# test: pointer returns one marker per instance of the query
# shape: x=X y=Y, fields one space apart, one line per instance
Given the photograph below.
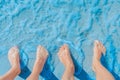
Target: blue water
x=51 y=23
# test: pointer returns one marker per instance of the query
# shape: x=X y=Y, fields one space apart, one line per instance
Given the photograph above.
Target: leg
x=13 y=56
x=41 y=57
x=101 y=72
x=65 y=58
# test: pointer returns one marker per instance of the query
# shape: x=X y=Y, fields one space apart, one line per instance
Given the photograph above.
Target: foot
x=41 y=54
x=41 y=57
x=13 y=56
x=98 y=50
x=65 y=58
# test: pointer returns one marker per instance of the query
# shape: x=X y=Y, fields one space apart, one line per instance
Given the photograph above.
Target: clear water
x=51 y=23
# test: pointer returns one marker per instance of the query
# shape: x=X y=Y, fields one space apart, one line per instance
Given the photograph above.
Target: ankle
x=70 y=68
x=97 y=57
x=96 y=63
x=16 y=69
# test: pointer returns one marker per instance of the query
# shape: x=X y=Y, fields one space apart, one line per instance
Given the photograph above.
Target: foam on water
x=51 y=23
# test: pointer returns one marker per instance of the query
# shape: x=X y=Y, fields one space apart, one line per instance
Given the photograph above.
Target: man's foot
x=13 y=56
x=98 y=50
x=65 y=58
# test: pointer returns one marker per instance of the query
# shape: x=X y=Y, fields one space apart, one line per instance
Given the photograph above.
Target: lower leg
x=36 y=71
x=68 y=73
x=11 y=74
x=101 y=72
x=41 y=57
x=65 y=58
x=14 y=61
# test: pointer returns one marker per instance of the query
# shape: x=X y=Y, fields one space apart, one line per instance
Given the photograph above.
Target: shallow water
x=51 y=23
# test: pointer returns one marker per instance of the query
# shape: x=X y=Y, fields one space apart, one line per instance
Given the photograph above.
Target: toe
x=14 y=50
x=63 y=49
x=96 y=43
x=99 y=46
x=39 y=48
x=65 y=46
x=60 y=50
x=103 y=50
x=42 y=50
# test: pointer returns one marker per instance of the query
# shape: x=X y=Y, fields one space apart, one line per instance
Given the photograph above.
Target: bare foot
x=41 y=57
x=13 y=56
x=98 y=50
x=64 y=56
x=41 y=54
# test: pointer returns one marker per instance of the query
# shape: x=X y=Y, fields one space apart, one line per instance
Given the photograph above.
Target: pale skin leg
x=13 y=56
x=101 y=72
x=65 y=58
x=41 y=57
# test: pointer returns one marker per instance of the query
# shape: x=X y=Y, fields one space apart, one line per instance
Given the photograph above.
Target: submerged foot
x=98 y=50
x=41 y=57
x=65 y=58
x=13 y=56
x=41 y=54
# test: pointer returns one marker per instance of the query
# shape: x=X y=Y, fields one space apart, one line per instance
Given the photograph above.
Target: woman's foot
x=98 y=50
x=41 y=54
x=41 y=57
x=65 y=58
x=13 y=56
